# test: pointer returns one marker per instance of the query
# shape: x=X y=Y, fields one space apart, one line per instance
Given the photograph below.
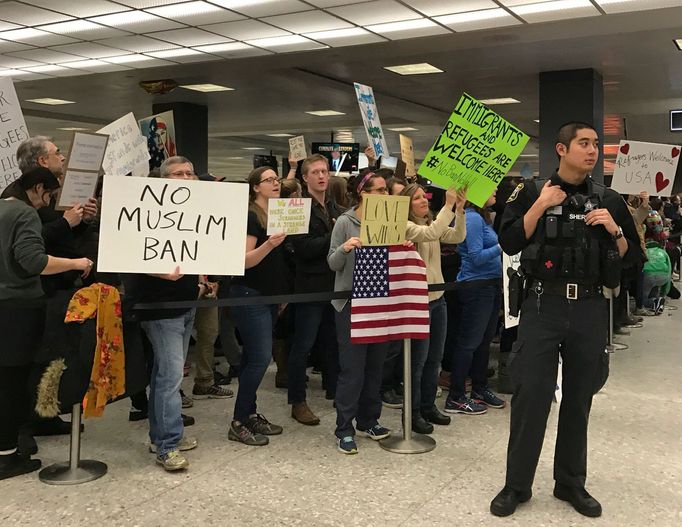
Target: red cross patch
x=549 y=264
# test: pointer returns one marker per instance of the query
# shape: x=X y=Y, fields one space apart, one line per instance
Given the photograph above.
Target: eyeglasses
x=180 y=173
x=271 y=180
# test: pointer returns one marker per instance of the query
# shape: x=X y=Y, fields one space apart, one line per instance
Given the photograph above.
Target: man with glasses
x=313 y=321
x=168 y=331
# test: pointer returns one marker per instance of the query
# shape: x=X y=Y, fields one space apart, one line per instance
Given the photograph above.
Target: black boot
x=432 y=415
x=27 y=445
x=15 y=465
x=505 y=503
x=579 y=498
x=51 y=426
x=420 y=426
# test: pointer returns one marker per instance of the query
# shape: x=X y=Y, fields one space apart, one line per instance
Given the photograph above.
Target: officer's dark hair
x=567 y=132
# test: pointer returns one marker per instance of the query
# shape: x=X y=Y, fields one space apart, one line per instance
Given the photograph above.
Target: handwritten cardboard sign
x=289 y=215
x=476 y=149
x=83 y=166
x=297 y=148
x=407 y=155
x=384 y=219
x=370 y=116
x=127 y=148
x=152 y=225
x=509 y=262
x=645 y=166
x=13 y=131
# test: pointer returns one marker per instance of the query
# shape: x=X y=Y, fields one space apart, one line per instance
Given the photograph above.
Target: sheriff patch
x=515 y=194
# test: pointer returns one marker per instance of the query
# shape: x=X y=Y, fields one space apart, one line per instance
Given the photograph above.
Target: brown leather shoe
x=303 y=414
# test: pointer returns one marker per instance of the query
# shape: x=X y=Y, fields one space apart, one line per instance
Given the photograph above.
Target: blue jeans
x=255 y=324
x=170 y=339
x=312 y=322
x=479 y=317
x=358 y=393
x=426 y=358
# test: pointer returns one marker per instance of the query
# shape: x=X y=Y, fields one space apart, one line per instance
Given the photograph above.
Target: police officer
x=574 y=235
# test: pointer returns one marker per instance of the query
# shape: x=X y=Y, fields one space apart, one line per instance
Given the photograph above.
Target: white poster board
x=297 y=148
x=645 y=166
x=13 y=131
x=127 y=148
x=289 y=215
x=152 y=225
x=370 y=116
x=508 y=262
x=87 y=151
x=77 y=189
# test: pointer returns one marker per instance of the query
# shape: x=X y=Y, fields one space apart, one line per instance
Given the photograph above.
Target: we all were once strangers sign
x=152 y=225
x=645 y=166
x=12 y=132
x=476 y=149
x=289 y=215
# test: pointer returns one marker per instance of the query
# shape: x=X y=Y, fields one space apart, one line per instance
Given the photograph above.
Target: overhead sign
x=13 y=131
x=370 y=116
x=127 y=149
x=384 y=219
x=645 y=166
x=407 y=155
x=475 y=150
x=297 y=148
x=152 y=225
x=288 y=215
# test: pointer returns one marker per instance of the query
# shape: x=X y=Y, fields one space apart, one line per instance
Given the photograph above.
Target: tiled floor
x=635 y=465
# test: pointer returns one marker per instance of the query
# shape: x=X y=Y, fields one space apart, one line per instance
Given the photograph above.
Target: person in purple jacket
x=479 y=295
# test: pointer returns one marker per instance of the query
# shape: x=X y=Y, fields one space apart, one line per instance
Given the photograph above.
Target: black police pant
x=578 y=330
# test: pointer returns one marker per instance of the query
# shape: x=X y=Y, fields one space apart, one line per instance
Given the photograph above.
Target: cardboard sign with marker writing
x=82 y=169
x=476 y=149
x=297 y=148
x=12 y=132
x=289 y=215
x=645 y=166
x=370 y=117
x=384 y=219
x=407 y=155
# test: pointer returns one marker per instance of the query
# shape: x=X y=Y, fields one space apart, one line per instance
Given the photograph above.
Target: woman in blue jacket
x=479 y=295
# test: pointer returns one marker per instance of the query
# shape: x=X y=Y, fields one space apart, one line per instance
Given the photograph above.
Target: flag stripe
x=389 y=308
x=377 y=323
x=392 y=330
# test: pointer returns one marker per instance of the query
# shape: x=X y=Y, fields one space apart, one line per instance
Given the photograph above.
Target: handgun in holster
x=516 y=289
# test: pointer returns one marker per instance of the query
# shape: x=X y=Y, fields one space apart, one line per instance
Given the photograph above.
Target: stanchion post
x=409 y=443
x=76 y=470
x=612 y=345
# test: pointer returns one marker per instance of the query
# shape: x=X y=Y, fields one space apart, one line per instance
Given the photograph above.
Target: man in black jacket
x=313 y=319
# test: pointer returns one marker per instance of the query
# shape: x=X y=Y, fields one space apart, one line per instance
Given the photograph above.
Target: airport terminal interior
x=265 y=71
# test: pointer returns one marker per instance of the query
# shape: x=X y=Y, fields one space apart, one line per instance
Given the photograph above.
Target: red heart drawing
x=676 y=151
x=661 y=181
x=625 y=148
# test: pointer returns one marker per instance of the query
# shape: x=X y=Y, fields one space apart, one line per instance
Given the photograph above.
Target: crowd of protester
x=47 y=254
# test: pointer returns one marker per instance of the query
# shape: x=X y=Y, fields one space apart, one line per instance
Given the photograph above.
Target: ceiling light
x=75 y=26
x=206 y=88
x=325 y=113
x=337 y=33
x=278 y=41
x=402 y=26
x=22 y=35
x=184 y=10
x=217 y=48
x=12 y=73
x=50 y=101
x=536 y=120
x=678 y=43
x=170 y=53
x=253 y=148
x=74 y=129
x=47 y=68
x=414 y=69
x=545 y=7
x=280 y=135
x=403 y=129
x=501 y=100
x=473 y=16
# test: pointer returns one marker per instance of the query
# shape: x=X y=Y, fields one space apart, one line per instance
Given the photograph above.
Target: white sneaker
x=186 y=443
x=173 y=460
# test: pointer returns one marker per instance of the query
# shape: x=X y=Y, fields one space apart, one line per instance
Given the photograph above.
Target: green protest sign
x=476 y=149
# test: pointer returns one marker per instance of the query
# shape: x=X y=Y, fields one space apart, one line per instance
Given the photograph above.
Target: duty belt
x=569 y=290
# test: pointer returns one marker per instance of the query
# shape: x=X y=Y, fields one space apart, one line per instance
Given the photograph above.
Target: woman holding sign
x=358 y=389
x=427 y=234
x=22 y=316
x=267 y=273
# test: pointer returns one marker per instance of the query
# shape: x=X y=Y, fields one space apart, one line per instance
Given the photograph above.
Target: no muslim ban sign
x=152 y=225
x=645 y=166
x=476 y=149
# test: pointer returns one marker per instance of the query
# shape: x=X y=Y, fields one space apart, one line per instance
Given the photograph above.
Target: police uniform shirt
x=512 y=235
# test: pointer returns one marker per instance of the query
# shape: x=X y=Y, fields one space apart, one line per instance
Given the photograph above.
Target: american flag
x=390 y=299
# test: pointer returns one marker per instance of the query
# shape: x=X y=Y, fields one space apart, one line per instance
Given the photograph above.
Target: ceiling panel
x=233 y=50
x=95 y=66
x=552 y=10
x=81 y=8
x=45 y=55
x=622 y=6
x=6 y=46
x=286 y=44
x=4 y=26
x=189 y=37
x=196 y=13
x=488 y=18
x=136 y=21
x=377 y=12
x=311 y=22
x=28 y=15
x=15 y=62
x=182 y=55
x=447 y=7
x=246 y=30
x=89 y=50
x=35 y=37
x=82 y=29
x=141 y=4
x=345 y=37
x=263 y=7
x=422 y=27
x=137 y=43
x=333 y=3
